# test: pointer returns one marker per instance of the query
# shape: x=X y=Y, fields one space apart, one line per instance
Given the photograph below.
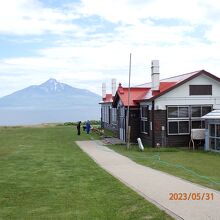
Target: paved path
x=154 y=185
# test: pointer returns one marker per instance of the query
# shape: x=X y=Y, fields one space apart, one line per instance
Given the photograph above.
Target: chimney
x=120 y=89
x=155 y=75
x=103 y=90
x=113 y=87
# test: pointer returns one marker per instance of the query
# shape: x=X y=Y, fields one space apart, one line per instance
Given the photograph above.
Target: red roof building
x=163 y=112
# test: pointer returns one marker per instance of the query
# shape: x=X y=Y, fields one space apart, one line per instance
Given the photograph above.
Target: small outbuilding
x=212 y=133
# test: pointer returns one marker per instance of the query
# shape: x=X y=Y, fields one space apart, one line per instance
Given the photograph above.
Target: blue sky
x=84 y=43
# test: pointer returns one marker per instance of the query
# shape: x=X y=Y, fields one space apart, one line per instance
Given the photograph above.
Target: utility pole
x=128 y=109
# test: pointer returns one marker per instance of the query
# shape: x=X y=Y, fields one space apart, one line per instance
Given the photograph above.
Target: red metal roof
x=163 y=87
x=108 y=98
x=135 y=94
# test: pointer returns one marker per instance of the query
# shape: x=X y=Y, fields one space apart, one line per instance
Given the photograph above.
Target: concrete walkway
x=154 y=185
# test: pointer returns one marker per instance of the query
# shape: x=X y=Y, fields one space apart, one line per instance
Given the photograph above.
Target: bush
x=92 y=122
x=70 y=123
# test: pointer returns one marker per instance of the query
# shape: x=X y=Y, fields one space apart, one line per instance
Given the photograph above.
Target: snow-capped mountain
x=50 y=95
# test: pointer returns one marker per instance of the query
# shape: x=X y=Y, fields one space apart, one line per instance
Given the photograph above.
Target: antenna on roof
x=128 y=110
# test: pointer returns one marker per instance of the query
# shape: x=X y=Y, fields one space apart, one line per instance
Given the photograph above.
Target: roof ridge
x=183 y=74
x=174 y=76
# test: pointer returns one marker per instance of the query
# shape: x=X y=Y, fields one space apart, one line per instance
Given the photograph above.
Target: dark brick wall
x=178 y=140
x=135 y=124
x=159 y=121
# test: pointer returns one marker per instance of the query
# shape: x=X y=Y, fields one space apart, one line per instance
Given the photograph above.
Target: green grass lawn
x=196 y=166
x=44 y=175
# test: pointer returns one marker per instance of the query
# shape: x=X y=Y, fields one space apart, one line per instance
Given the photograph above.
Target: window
x=196 y=113
x=172 y=112
x=217 y=130
x=105 y=114
x=212 y=130
x=199 y=111
x=173 y=127
x=114 y=115
x=214 y=136
x=206 y=110
x=121 y=112
x=121 y=122
x=144 y=126
x=197 y=124
x=180 y=119
x=200 y=90
x=144 y=119
x=183 y=127
x=178 y=127
x=144 y=111
x=178 y=112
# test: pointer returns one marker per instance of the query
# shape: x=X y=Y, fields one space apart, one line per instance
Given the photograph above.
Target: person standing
x=88 y=127
x=78 y=127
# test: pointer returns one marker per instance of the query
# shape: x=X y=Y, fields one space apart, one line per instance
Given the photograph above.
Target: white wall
x=180 y=95
x=105 y=111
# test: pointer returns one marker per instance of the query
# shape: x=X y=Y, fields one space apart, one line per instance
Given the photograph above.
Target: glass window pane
x=200 y=89
x=196 y=124
x=217 y=130
x=212 y=130
x=144 y=112
x=183 y=112
x=203 y=124
x=206 y=110
x=217 y=144
x=172 y=112
x=212 y=143
x=146 y=126
x=183 y=127
x=173 y=127
x=196 y=111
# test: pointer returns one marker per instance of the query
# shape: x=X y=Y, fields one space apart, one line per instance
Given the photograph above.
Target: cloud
x=130 y=12
x=29 y=17
x=94 y=39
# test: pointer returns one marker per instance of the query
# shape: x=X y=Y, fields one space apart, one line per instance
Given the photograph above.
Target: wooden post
x=128 y=128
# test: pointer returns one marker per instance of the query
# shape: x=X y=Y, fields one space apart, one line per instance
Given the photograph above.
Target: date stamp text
x=191 y=196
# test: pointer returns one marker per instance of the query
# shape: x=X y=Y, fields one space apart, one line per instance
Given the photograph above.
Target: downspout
x=153 y=131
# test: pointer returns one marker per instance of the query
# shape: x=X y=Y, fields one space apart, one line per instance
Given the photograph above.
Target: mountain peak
x=51 y=80
x=52 y=85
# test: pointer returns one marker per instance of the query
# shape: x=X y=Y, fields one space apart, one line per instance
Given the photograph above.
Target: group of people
x=87 y=127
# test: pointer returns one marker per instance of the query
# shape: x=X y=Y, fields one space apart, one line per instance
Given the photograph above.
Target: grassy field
x=44 y=175
x=196 y=166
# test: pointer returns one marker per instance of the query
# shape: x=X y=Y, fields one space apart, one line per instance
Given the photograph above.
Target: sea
x=14 y=117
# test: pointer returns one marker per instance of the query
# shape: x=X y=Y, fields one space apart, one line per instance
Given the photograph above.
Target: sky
x=86 y=42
